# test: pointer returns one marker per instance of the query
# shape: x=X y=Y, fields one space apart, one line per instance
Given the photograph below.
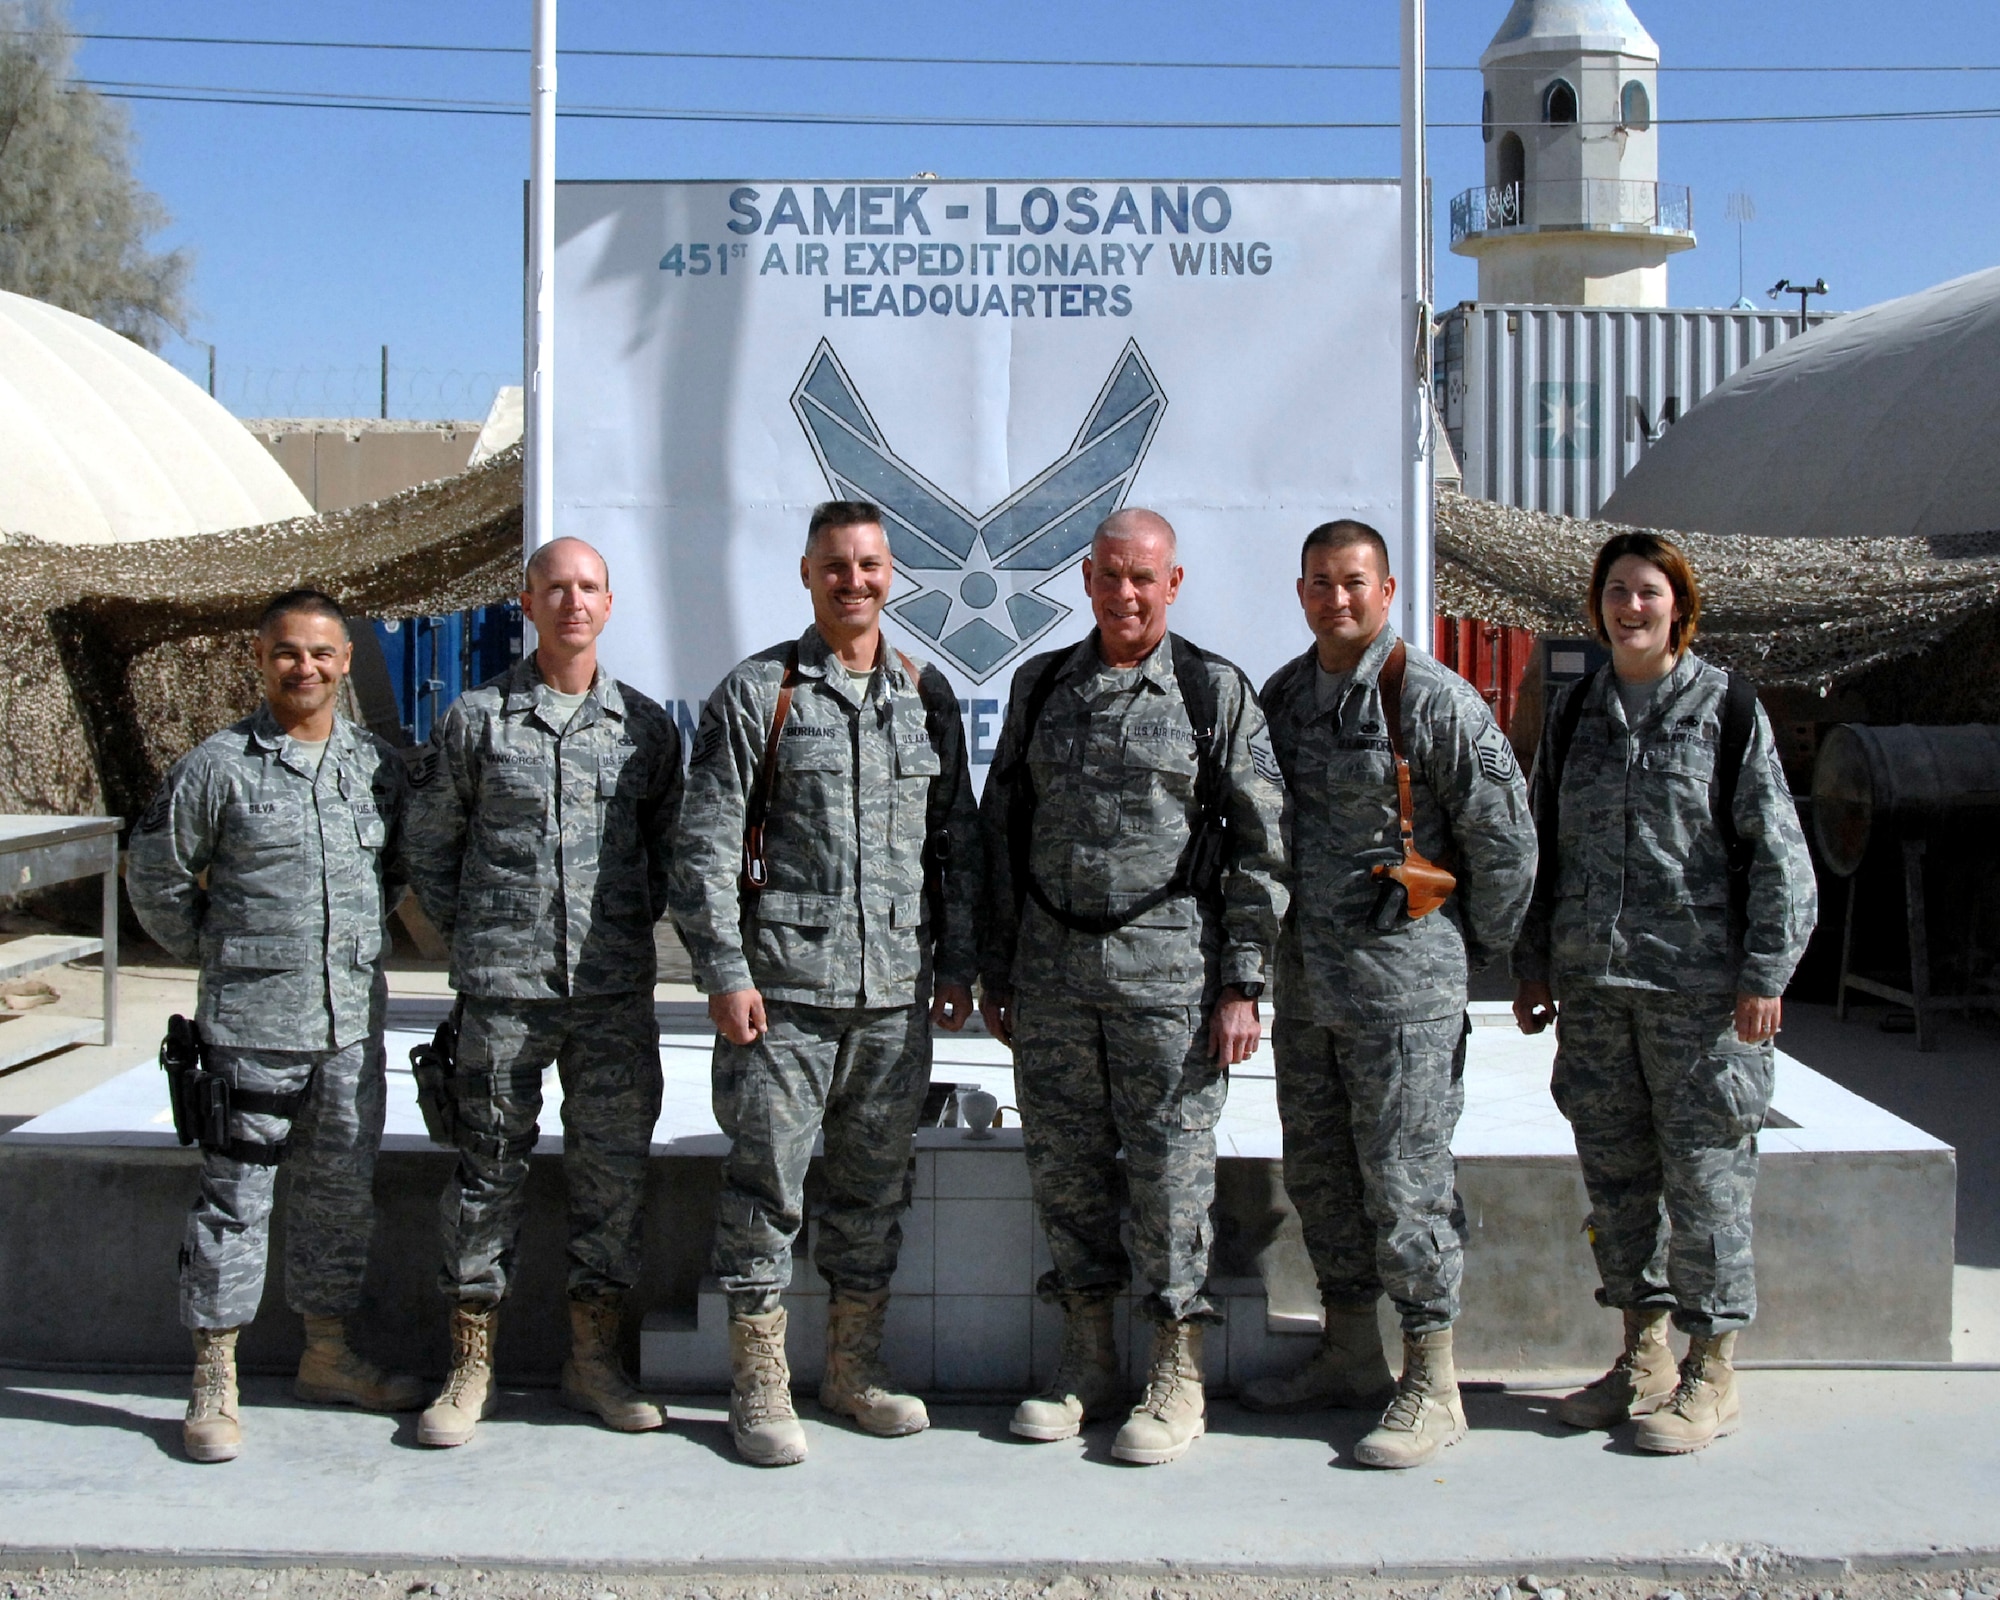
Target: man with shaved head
x=1131 y=821
x=538 y=843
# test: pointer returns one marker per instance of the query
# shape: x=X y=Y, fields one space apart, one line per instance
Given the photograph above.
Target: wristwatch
x=1249 y=991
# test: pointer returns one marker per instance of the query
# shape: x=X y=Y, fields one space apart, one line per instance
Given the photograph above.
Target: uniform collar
x=1084 y=663
x=264 y=730
x=527 y=690
x=1369 y=668
x=817 y=660
x=1665 y=691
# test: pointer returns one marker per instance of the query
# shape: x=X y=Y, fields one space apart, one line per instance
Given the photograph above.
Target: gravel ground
x=1758 y=1579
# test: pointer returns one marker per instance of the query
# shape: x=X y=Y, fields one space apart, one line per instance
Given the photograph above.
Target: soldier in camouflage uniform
x=538 y=837
x=1370 y=1031
x=1124 y=1026
x=820 y=972
x=294 y=816
x=1668 y=963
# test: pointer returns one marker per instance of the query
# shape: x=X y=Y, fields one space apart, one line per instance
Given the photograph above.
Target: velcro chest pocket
x=1166 y=757
x=370 y=829
x=915 y=755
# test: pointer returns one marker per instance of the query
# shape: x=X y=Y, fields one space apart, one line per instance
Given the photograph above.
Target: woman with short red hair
x=1673 y=898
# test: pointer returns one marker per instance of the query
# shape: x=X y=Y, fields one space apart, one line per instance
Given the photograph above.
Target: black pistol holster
x=435 y=1065
x=203 y=1101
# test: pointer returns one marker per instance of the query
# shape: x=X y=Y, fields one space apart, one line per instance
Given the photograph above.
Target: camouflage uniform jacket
x=540 y=849
x=1640 y=893
x=863 y=788
x=1113 y=763
x=1470 y=809
x=302 y=868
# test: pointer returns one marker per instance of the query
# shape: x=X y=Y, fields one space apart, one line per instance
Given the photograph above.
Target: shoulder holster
x=1199 y=870
x=1414 y=883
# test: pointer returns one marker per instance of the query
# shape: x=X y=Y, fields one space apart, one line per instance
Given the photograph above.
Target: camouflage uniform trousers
x=858 y=1075
x=1666 y=1104
x=1095 y=1080
x=1368 y=1111
x=606 y=1051
x=330 y=1203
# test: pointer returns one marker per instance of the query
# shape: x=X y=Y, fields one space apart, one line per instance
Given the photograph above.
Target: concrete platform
x=1830 y=1468
x=1854 y=1219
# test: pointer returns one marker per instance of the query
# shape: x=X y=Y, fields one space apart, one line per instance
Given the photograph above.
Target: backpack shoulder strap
x=1568 y=716
x=1566 y=723
x=1040 y=692
x=758 y=807
x=1739 y=721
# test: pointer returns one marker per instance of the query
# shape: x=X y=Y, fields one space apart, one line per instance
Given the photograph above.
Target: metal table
x=36 y=852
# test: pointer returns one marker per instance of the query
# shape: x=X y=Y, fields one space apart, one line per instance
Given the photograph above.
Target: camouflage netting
x=1793 y=613
x=117 y=658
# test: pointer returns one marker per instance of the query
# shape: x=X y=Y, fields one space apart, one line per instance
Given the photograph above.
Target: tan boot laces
x=211 y=1384
x=1406 y=1410
x=1694 y=1372
x=767 y=1399
x=1171 y=1368
x=471 y=1348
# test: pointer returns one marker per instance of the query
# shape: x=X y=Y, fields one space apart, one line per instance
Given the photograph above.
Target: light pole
x=1415 y=623
x=538 y=501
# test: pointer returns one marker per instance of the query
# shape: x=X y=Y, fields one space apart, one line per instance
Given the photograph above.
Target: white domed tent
x=102 y=442
x=1880 y=424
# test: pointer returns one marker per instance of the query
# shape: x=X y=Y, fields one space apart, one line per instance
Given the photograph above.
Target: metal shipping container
x=1548 y=407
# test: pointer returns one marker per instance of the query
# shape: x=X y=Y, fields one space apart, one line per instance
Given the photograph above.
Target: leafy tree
x=73 y=220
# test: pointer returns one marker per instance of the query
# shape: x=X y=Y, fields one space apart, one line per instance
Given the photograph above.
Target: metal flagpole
x=538 y=455
x=1417 y=575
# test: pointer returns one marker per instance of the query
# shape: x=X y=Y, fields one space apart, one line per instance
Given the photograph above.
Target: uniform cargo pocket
x=1727 y=1094
x=367 y=946
x=1432 y=1073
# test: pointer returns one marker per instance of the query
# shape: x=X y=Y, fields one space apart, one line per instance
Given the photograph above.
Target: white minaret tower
x=1572 y=211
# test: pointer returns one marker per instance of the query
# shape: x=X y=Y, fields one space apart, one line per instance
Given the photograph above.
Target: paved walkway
x=1832 y=1466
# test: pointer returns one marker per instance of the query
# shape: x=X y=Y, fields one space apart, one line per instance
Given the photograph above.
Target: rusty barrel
x=1900 y=782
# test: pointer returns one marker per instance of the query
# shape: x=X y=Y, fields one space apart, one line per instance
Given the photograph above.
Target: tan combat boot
x=856 y=1383
x=210 y=1431
x=594 y=1380
x=1427 y=1415
x=331 y=1374
x=1347 y=1371
x=1639 y=1383
x=469 y=1392
x=1704 y=1406
x=1085 y=1386
x=762 y=1424
x=1174 y=1411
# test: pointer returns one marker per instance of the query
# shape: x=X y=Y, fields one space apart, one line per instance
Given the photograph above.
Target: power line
x=821 y=58
x=199 y=94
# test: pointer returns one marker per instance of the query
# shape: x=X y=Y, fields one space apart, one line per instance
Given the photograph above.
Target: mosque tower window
x=1635 y=107
x=1486 y=116
x=1559 y=103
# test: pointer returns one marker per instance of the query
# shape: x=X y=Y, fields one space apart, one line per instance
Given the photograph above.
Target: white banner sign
x=999 y=366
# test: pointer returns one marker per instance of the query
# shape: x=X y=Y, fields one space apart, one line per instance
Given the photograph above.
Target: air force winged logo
x=980 y=582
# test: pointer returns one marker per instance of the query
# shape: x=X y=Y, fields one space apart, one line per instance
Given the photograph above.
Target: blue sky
x=320 y=235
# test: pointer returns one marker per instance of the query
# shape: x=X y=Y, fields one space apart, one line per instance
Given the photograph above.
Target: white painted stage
x=1854 y=1223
